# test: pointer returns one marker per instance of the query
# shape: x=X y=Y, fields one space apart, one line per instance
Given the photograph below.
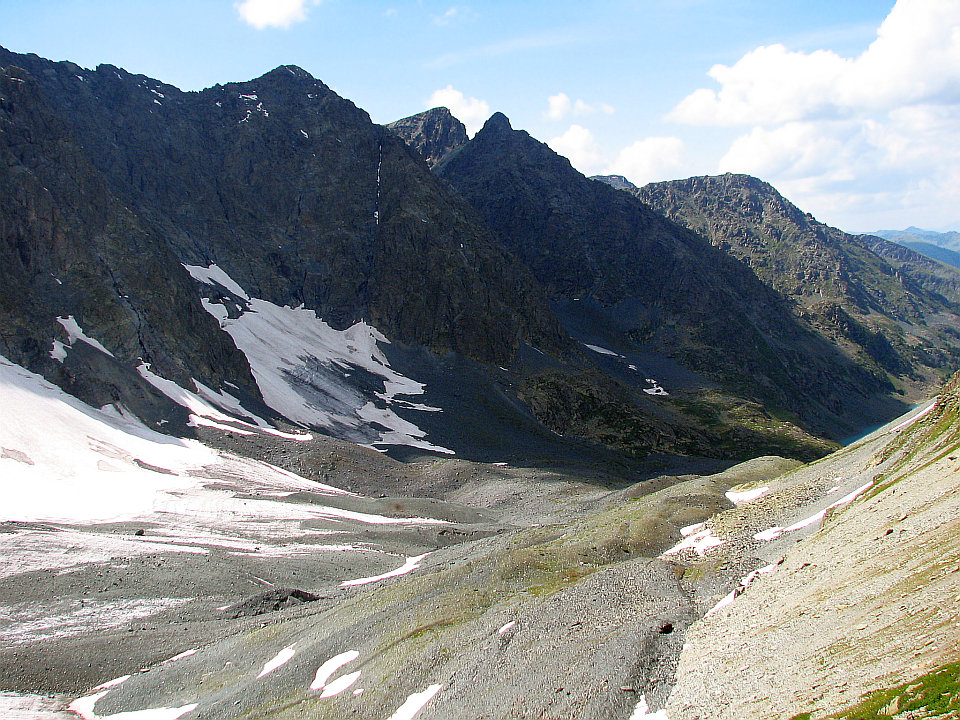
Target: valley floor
x=509 y=592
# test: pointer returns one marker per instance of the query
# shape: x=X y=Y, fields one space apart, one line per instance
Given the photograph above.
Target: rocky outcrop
x=434 y=134
x=617 y=182
x=70 y=249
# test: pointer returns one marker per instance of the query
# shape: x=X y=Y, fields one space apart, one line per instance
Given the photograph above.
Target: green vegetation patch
x=934 y=695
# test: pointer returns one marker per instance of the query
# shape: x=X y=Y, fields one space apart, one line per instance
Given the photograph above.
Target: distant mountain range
x=939 y=246
x=949 y=239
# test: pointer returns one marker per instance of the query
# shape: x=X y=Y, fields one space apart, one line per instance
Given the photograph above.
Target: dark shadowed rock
x=270 y=601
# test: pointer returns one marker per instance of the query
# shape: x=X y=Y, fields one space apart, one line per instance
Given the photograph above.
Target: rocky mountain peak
x=434 y=133
x=498 y=122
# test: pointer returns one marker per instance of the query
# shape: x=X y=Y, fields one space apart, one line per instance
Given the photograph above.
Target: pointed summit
x=434 y=133
x=498 y=122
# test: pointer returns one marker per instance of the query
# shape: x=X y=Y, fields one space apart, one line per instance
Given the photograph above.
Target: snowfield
x=303 y=368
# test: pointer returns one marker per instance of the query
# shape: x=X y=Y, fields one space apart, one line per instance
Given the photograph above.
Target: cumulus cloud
x=651 y=160
x=915 y=59
x=560 y=105
x=891 y=170
x=580 y=147
x=470 y=111
x=876 y=135
x=273 y=13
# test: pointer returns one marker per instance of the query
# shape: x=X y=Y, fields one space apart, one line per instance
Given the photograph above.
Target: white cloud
x=861 y=141
x=579 y=146
x=650 y=160
x=893 y=169
x=273 y=13
x=470 y=111
x=560 y=105
x=914 y=59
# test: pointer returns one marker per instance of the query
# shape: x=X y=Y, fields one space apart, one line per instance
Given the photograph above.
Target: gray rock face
x=617 y=182
x=434 y=134
x=71 y=249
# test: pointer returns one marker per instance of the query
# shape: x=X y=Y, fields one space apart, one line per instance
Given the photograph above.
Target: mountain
x=617 y=182
x=894 y=312
x=949 y=240
x=937 y=252
x=297 y=264
x=617 y=271
x=434 y=134
x=185 y=236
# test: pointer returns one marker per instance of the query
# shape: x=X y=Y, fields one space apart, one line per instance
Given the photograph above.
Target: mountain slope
x=949 y=239
x=652 y=284
x=944 y=255
x=893 y=313
x=857 y=620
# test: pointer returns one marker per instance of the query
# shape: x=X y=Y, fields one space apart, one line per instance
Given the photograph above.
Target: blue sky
x=851 y=109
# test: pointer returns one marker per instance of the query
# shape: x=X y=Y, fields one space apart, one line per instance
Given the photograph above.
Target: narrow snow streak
x=745 y=496
x=325 y=671
x=75 y=332
x=411 y=564
x=415 y=703
x=602 y=350
x=775 y=532
x=281 y=659
x=340 y=684
x=911 y=421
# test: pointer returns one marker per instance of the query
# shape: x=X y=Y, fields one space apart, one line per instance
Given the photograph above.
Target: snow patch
x=774 y=532
x=59 y=351
x=84 y=708
x=410 y=565
x=642 y=711
x=656 y=389
x=415 y=703
x=75 y=332
x=700 y=542
x=327 y=669
x=739 y=497
x=281 y=659
x=340 y=684
x=301 y=366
